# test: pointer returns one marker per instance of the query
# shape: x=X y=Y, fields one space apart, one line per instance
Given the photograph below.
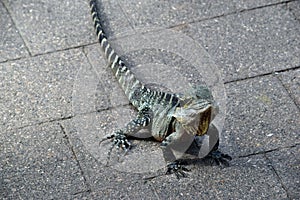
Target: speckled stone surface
x=251 y=43
x=38 y=162
x=48 y=26
x=291 y=81
x=253 y=107
x=295 y=8
x=286 y=163
x=58 y=98
x=38 y=89
x=11 y=43
x=249 y=177
x=149 y=13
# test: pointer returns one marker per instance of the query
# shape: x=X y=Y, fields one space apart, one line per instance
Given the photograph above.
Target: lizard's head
x=196 y=111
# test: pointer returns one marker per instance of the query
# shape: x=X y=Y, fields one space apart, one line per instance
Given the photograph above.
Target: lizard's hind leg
x=119 y=138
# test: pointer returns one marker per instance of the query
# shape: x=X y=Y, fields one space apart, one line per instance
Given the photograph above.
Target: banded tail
x=125 y=77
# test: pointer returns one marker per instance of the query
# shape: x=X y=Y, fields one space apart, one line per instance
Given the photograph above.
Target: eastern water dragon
x=170 y=117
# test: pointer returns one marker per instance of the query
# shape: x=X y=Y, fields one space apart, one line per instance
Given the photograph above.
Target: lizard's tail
x=125 y=77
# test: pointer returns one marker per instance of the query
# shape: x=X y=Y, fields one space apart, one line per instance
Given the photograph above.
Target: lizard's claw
x=107 y=137
x=220 y=158
x=177 y=168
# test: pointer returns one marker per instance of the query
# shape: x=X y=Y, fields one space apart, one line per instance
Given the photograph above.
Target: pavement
x=57 y=97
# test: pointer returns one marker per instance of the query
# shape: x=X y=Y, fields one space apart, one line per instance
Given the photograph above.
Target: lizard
x=169 y=116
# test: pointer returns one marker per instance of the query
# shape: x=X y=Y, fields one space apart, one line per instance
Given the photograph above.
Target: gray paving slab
x=104 y=181
x=107 y=91
x=115 y=22
x=11 y=43
x=295 y=8
x=34 y=90
x=169 y=13
x=247 y=178
x=250 y=177
x=74 y=89
x=52 y=25
x=291 y=81
x=286 y=162
x=251 y=43
x=249 y=4
x=261 y=116
x=166 y=13
x=37 y=162
x=90 y=92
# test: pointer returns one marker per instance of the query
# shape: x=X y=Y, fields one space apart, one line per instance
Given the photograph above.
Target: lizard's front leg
x=174 y=165
x=219 y=157
x=119 y=138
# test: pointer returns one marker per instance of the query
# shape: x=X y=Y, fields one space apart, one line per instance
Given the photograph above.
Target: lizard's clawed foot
x=220 y=158
x=177 y=168
x=119 y=141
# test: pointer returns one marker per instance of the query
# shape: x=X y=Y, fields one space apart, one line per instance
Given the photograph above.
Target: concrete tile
x=38 y=89
x=52 y=25
x=251 y=43
x=96 y=173
x=166 y=13
x=104 y=181
x=11 y=43
x=37 y=162
x=107 y=90
x=169 y=13
x=294 y=6
x=246 y=178
x=249 y=4
x=83 y=195
x=91 y=128
x=286 y=162
x=291 y=81
x=261 y=116
x=125 y=190
x=115 y=22
x=89 y=94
